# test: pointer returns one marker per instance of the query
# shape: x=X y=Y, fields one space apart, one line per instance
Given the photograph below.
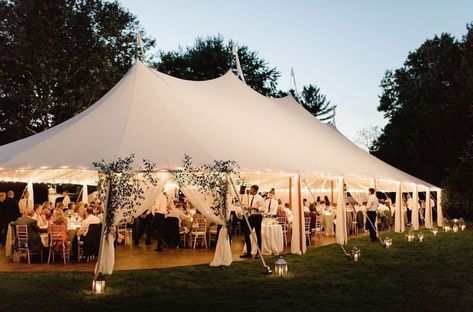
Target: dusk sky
x=344 y=47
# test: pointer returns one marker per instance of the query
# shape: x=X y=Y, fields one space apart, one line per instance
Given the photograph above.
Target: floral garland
x=124 y=186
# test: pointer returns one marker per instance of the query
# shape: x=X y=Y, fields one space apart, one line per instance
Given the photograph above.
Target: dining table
x=271 y=236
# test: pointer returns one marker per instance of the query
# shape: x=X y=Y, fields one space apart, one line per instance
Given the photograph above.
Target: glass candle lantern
x=355 y=254
x=420 y=236
x=410 y=237
x=463 y=227
x=455 y=228
x=98 y=284
x=388 y=242
x=280 y=267
x=435 y=231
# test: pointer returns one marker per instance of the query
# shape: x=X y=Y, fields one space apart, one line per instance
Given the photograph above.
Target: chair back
x=22 y=236
x=201 y=225
x=281 y=220
x=307 y=224
x=57 y=232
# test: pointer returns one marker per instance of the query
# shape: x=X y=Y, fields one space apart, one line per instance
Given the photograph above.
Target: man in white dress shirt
x=271 y=204
x=255 y=209
x=90 y=219
x=158 y=225
x=25 y=203
x=410 y=206
x=371 y=211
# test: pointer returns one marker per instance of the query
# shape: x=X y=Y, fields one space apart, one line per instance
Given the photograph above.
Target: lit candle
x=421 y=237
x=455 y=228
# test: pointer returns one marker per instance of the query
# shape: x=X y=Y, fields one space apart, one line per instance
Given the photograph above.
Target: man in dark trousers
x=255 y=209
x=12 y=208
x=371 y=212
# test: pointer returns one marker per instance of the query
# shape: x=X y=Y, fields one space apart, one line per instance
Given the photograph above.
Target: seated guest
x=81 y=212
x=46 y=214
x=34 y=238
x=99 y=212
x=89 y=219
x=70 y=208
x=305 y=205
x=288 y=213
x=58 y=218
x=313 y=215
x=39 y=217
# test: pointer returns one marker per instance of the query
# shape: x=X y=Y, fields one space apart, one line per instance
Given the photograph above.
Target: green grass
x=436 y=275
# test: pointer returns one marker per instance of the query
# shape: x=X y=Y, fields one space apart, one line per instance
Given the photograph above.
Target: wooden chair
x=318 y=227
x=58 y=244
x=199 y=232
x=308 y=233
x=22 y=244
x=123 y=230
x=354 y=224
x=213 y=235
x=283 y=222
x=183 y=237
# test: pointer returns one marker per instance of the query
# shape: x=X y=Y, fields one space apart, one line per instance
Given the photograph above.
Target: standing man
x=410 y=206
x=158 y=225
x=255 y=208
x=25 y=203
x=11 y=205
x=371 y=211
x=271 y=204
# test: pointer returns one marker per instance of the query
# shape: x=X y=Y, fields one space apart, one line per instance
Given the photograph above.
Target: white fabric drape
x=150 y=195
x=439 y=208
x=108 y=256
x=298 y=243
x=223 y=252
x=355 y=191
x=341 y=230
x=415 y=209
x=428 y=210
x=85 y=194
x=399 y=215
x=29 y=187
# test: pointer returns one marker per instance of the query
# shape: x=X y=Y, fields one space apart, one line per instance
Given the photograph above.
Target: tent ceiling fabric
x=161 y=118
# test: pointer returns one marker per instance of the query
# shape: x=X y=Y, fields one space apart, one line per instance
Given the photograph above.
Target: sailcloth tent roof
x=161 y=118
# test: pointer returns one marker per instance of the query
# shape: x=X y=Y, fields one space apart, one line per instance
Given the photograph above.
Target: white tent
x=161 y=118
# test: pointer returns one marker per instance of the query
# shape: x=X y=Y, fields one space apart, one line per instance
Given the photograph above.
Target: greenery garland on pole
x=210 y=179
x=124 y=186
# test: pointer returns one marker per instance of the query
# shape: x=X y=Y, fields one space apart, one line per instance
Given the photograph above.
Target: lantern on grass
x=388 y=242
x=435 y=231
x=455 y=228
x=463 y=227
x=98 y=284
x=280 y=267
x=410 y=237
x=447 y=228
x=420 y=236
x=355 y=254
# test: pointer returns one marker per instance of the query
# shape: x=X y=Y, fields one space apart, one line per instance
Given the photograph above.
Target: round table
x=327 y=221
x=272 y=239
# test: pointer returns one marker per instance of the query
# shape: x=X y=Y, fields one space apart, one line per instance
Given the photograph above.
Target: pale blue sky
x=342 y=46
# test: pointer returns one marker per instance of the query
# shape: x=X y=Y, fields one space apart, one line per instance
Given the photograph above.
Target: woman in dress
x=58 y=218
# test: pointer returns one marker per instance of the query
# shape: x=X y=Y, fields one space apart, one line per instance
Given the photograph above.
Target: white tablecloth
x=272 y=236
x=327 y=221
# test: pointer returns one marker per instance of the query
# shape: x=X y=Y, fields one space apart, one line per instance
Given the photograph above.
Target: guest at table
x=313 y=215
x=89 y=219
x=174 y=218
x=81 y=212
x=371 y=212
x=3 y=218
x=271 y=204
x=11 y=205
x=34 y=231
x=288 y=213
x=98 y=211
x=38 y=216
x=58 y=218
x=25 y=202
x=305 y=205
x=255 y=208
x=326 y=200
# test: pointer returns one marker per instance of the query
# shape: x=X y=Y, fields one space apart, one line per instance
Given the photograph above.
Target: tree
x=426 y=103
x=367 y=137
x=211 y=57
x=59 y=57
x=314 y=102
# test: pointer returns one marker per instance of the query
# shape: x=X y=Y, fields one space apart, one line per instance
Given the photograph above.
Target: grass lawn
x=436 y=275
